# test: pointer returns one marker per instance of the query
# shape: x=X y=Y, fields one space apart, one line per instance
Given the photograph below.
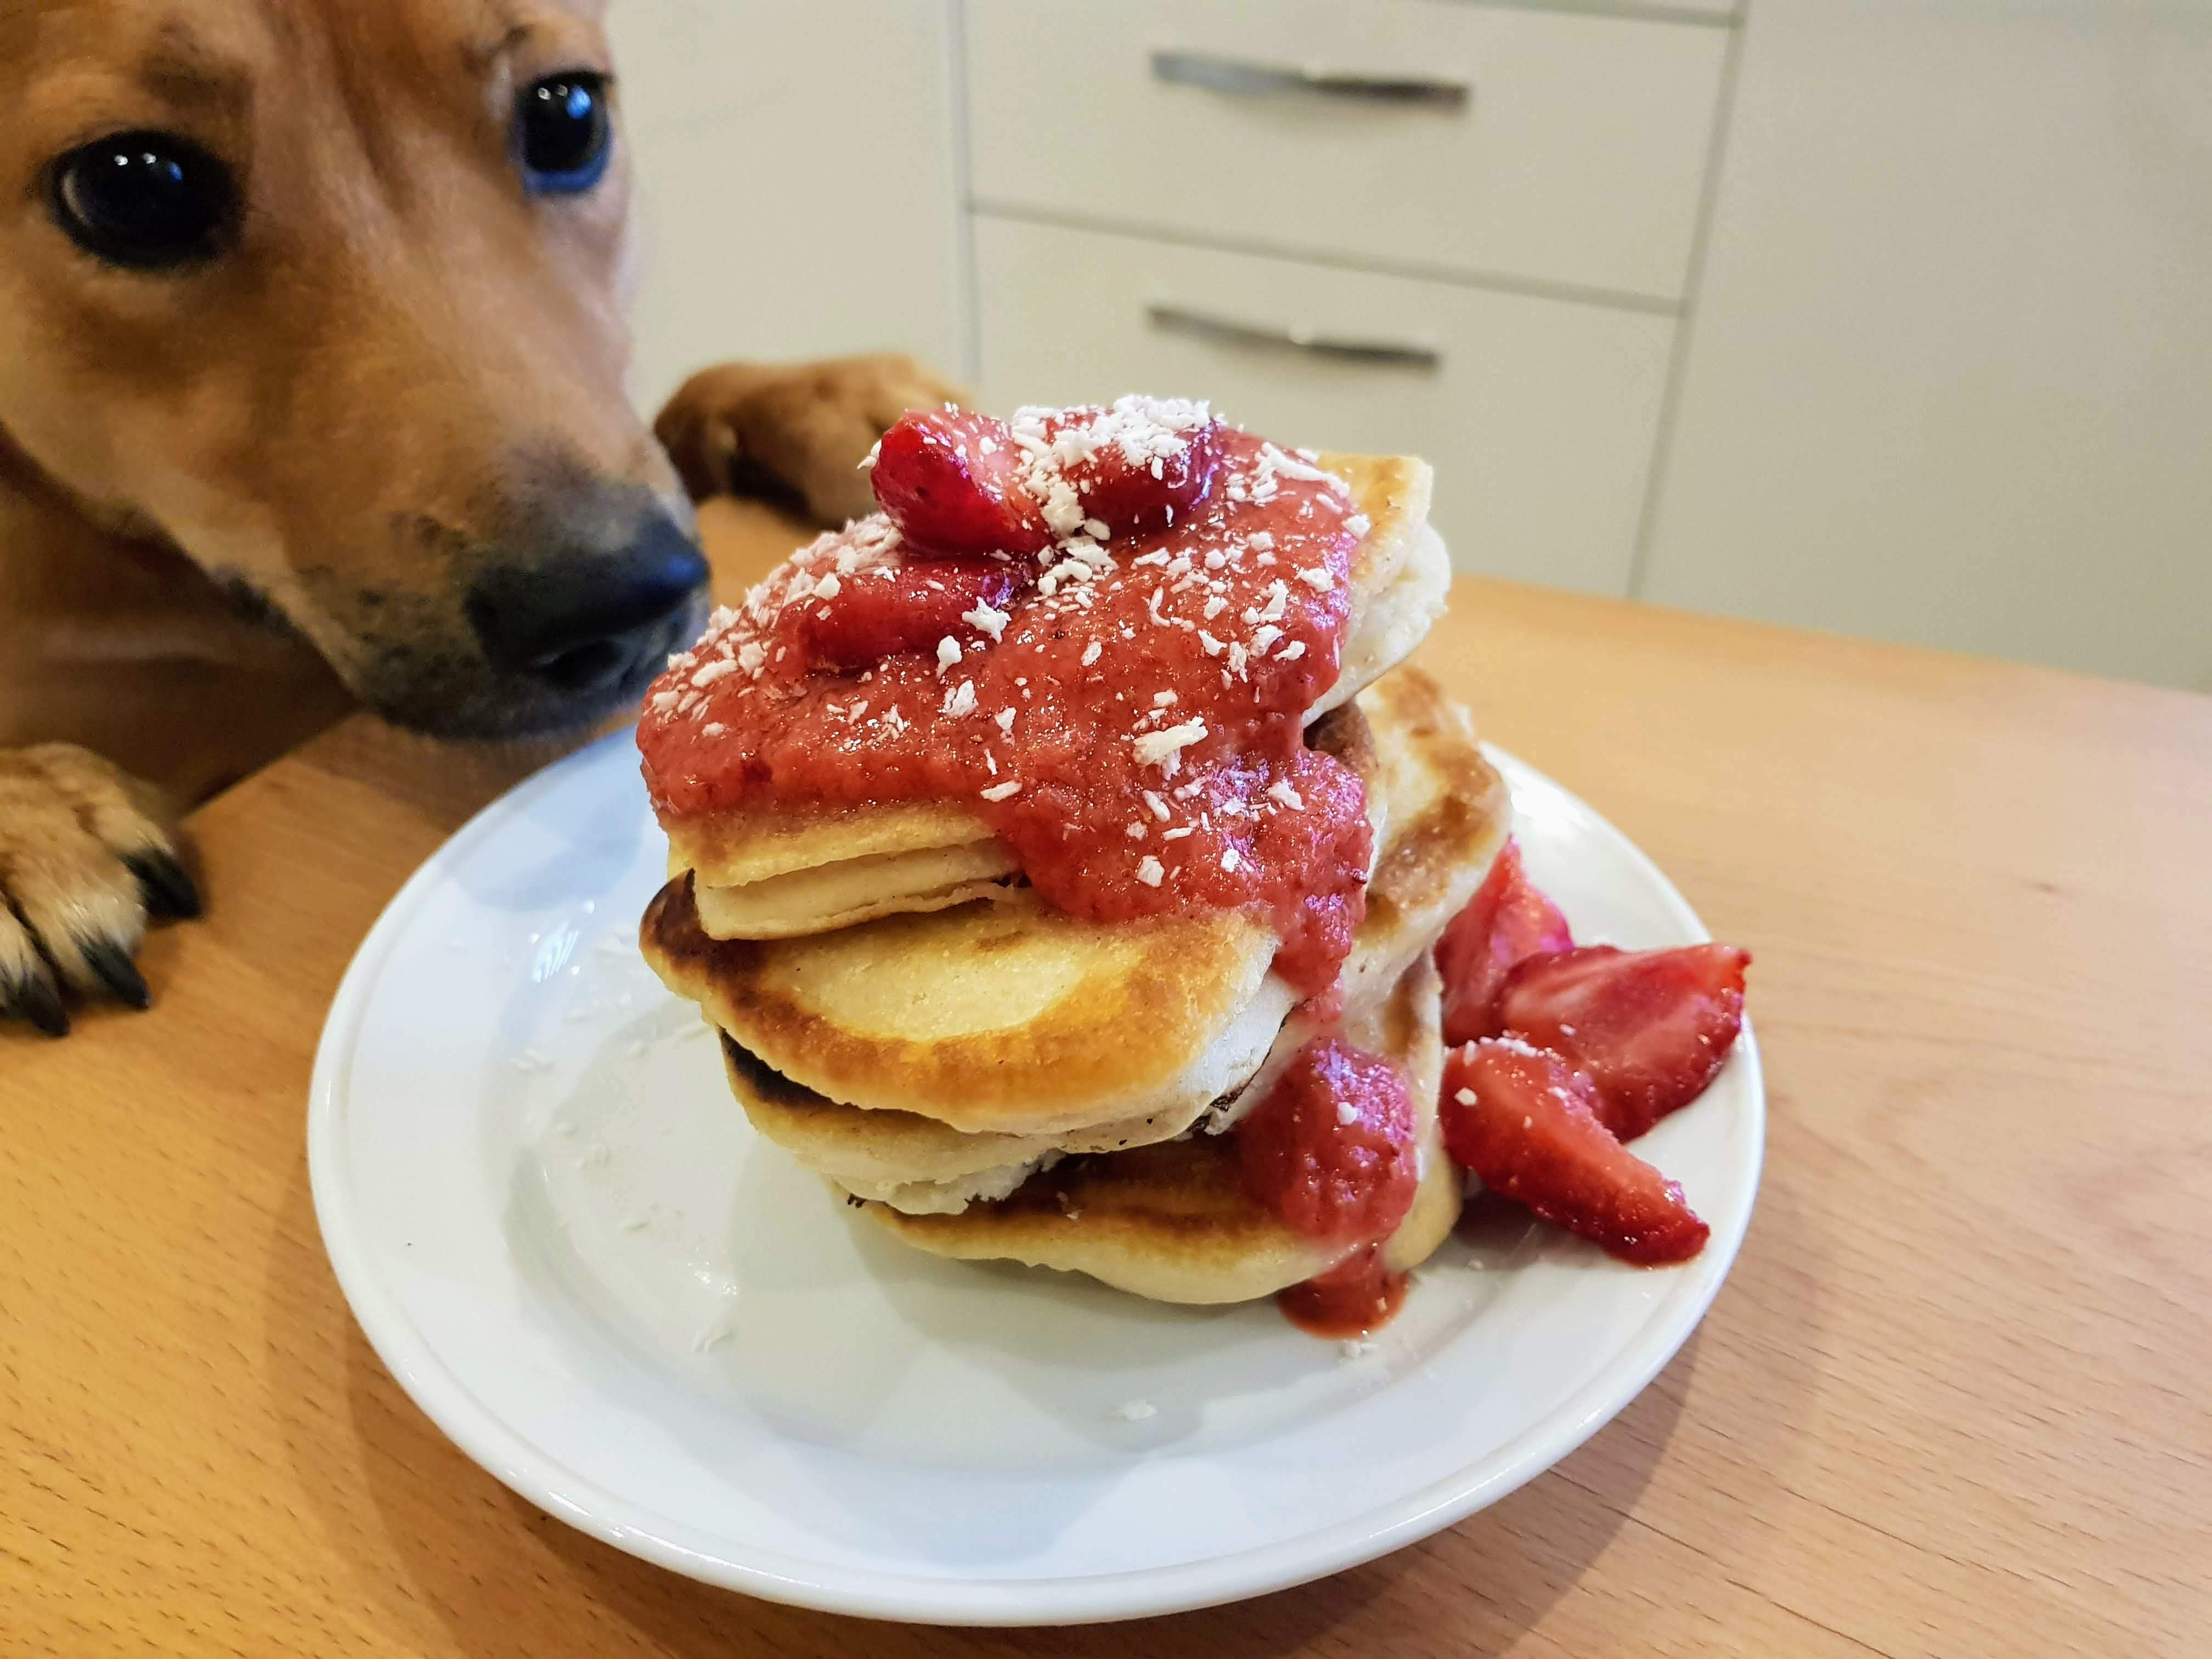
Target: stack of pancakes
x=992 y=1079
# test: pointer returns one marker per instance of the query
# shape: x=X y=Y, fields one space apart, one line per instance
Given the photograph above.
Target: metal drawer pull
x=1236 y=75
x=1406 y=353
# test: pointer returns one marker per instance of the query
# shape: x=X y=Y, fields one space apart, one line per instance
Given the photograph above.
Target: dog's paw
x=84 y=860
x=796 y=432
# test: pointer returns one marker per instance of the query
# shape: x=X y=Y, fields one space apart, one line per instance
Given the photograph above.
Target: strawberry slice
x=1651 y=1028
x=1527 y=1123
x=1506 y=920
x=950 y=481
x=1116 y=484
x=908 y=607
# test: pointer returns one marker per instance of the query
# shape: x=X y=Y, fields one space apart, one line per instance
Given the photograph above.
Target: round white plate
x=562 y=1236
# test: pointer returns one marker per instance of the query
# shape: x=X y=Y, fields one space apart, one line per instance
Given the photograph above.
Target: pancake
x=856 y=889
x=1012 y=1018
x=785 y=871
x=1447 y=815
x=1173 y=1222
x=1007 y=1018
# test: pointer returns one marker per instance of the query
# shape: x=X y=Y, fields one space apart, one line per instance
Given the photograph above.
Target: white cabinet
x=797 y=190
x=1412 y=226
x=1537 y=413
x=1154 y=194
x=1950 y=379
x=1460 y=139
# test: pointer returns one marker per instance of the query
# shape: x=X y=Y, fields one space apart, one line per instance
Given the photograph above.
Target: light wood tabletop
x=1956 y=1398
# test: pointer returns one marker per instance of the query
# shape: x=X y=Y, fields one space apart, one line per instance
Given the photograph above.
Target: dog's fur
x=238 y=498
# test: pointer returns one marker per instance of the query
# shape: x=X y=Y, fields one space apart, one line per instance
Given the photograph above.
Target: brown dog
x=311 y=354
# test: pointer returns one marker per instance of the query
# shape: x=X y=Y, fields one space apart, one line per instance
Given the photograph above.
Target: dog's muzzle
x=589 y=624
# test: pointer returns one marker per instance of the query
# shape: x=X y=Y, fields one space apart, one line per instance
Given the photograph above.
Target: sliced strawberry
x=1330 y=1150
x=881 y=612
x=1116 y=483
x=1650 y=1027
x=950 y=481
x=1527 y=1123
x=1506 y=920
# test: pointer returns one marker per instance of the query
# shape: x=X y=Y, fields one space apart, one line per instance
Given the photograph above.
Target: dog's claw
x=84 y=860
x=167 y=886
x=118 y=973
x=34 y=999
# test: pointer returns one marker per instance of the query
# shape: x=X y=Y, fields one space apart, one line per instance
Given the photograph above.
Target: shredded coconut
x=987 y=619
x=1163 y=749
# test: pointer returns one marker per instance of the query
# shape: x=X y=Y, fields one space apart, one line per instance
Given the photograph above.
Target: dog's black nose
x=588 y=620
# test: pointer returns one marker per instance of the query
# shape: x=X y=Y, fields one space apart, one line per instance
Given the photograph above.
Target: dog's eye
x=563 y=132
x=149 y=201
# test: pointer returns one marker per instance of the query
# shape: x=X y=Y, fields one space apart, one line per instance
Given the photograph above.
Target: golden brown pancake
x=1009 y=1017
x=1173 y=1222
x=773 y=871
x=1447 y=815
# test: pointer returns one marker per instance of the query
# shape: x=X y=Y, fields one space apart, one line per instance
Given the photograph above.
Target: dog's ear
x=794 y=433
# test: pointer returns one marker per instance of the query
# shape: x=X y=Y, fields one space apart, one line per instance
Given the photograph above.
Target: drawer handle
x=1247 y=79
x=1403 y=353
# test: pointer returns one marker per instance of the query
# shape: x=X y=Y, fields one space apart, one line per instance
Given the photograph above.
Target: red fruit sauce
x=1129 y=720
x=1330 y=1152
x=1357 y=1295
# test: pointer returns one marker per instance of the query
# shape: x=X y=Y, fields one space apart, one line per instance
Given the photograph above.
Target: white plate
x=561 y=1236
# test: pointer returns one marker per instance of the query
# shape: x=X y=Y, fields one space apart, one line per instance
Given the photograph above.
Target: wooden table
x=1955 y=1400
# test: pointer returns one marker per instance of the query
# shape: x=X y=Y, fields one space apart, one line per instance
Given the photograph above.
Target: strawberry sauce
x=1330 y=1153
x=1124 y=709
x=1357 y=1295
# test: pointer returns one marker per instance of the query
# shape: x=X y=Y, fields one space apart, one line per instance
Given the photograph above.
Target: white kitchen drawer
x=1577 y=159
x=1539 y=414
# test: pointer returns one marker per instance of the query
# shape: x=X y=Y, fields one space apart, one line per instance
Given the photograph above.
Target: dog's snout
x=588 y=622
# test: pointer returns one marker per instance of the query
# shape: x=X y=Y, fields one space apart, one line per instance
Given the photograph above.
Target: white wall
x=795 y=181
x=1950 y=372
